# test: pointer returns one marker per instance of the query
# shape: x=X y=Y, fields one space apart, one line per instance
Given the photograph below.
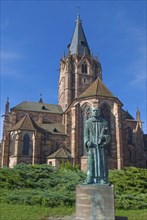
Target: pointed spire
x=7 y=106
x=64 y=54
x=40 y=100
x=79 y=43
x=138 y=115
x=78 y=13
x=138 y=118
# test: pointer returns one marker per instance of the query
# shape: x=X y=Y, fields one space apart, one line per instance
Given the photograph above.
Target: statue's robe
x=96 y=130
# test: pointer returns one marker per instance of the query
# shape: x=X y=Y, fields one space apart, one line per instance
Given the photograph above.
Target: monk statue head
x=95 y=112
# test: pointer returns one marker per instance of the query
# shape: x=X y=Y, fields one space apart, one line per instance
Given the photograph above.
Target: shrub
x=39 y=185
x=43 y=185
x=130 y=188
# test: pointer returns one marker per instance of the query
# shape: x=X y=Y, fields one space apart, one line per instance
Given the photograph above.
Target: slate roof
x=79 y=43
x=26 y=123
x=97 y=88
x=127 y=115
x=61 y=153
x=54 y=128
x=38 y=107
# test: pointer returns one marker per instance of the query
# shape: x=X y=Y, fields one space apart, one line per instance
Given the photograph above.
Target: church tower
x=78 y=69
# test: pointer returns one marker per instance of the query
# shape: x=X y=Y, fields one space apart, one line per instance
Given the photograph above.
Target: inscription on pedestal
x=95 y=202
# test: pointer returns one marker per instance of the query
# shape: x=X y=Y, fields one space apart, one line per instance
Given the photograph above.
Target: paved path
x=72 y=217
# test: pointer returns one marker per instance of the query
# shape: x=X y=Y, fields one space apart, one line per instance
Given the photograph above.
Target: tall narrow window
x=86 y=113
x=130 y=135
x=84 y=68
x=26 y=143
x=106 y=114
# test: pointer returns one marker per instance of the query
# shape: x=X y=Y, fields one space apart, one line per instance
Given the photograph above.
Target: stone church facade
x=37 y=132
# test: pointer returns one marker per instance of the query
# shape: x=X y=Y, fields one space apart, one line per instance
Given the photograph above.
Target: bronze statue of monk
x=96 y=139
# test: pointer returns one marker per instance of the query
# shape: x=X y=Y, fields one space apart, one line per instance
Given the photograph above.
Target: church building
x=38 y=132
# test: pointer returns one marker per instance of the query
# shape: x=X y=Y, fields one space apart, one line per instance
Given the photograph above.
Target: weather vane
x=78 y=10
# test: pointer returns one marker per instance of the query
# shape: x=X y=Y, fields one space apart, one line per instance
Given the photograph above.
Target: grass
x=26 y=212
x=133 y=214
x=30 y=192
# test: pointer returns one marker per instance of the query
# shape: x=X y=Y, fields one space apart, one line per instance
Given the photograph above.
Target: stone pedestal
x=95 y=202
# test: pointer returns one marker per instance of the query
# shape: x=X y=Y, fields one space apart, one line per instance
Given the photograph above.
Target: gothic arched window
x=84 y=67
x=86 y=113
x=105 y=112
x=130 y=135
x=26 y=143
x=13 y=137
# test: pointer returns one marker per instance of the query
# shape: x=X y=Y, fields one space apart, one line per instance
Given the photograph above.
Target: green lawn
x=25 y=212
x=133 y=214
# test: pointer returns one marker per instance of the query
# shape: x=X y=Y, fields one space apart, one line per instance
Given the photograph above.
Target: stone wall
x=72 y=81
x=46 y=117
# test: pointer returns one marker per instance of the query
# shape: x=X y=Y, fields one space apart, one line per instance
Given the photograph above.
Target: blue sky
x=35 y=34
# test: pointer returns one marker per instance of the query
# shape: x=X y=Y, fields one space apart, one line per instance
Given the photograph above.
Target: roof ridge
x=24 y=120
x=97 y=85
x=30 y=119
x=65 y=151
x=58 y=151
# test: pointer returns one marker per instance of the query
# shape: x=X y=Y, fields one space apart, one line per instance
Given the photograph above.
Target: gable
x=26 y=123
x=61 y=153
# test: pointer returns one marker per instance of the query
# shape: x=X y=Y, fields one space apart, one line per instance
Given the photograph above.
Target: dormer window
x=83 y=43
x=84 y=67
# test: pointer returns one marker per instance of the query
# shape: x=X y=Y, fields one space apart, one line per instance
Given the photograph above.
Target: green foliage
x=25 y=176
x=40 y=185
x=46 y=186
x=37 y=197
x=68 y=166
x=130 y=188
